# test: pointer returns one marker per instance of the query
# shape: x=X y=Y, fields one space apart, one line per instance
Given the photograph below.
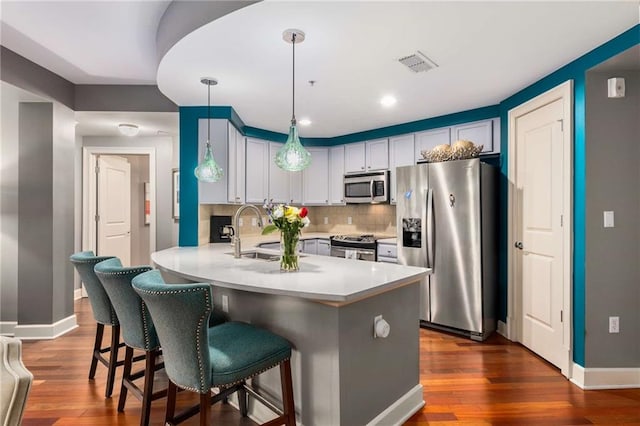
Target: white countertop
x=321 y=278
x=387 y=240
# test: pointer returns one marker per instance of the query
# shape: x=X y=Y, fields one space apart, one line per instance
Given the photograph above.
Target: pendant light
x=208 y=170
x=292 y=156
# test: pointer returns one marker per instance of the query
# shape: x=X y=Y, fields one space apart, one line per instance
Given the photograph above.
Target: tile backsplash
x=365 y=219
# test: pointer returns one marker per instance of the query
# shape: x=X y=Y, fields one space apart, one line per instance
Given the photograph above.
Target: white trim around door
x=514 y=288
x=89 y=156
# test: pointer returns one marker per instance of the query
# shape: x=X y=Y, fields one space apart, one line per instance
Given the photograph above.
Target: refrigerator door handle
x=430 y=230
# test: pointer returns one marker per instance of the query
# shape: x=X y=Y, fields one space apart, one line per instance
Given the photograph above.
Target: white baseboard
x=502 y=329
x=8 y=328
x=401 y=410
x=45 y=331
x=605 y=378
x=78 y=294
x=394 y=415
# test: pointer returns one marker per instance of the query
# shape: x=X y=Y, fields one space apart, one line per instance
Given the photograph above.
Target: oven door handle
x=358 y=251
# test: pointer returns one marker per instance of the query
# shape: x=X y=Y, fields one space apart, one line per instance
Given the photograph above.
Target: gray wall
x=36 y=213
x=163 y=147
x=140 y=254
x=612 y=254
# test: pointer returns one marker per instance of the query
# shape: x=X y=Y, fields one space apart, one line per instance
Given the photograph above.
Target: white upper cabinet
x=478 y=132
x=401 y=153
x=257 y=170
x=214 y=192
x=237 y=170
x=354 y=158
x=377 y=157
x=278 y=178
x=426 y=141
x=295 y=185
x=367 y=156
x=315 y=178
x=336 y=175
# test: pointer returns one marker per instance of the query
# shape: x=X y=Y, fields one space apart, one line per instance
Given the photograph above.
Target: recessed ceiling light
x=388 y=101
x=128 y=129
x=304 y=121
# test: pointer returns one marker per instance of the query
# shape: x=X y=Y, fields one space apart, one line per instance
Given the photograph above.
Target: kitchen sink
x=258 y=255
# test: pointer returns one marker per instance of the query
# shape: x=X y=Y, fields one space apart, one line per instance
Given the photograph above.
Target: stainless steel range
x=361 y=247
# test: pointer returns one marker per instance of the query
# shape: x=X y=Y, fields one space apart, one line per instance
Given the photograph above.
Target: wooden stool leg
x=242 y=401
x=96 y=350
x=170 y=411
x=287 y=393
x=205 y=401
x=126 y=375
x=147 y=393
x=113 y=359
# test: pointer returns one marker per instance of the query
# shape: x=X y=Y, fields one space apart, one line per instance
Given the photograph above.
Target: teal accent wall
x=575 y=71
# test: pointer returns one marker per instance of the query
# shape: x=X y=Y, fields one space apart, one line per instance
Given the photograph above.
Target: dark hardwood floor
x=495 y=382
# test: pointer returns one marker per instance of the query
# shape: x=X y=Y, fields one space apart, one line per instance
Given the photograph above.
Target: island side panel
x=377 y=372
x=312 y=328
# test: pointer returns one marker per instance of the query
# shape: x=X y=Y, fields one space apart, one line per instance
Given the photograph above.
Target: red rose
x=304 y=212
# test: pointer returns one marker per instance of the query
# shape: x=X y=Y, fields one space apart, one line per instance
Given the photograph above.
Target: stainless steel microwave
x=367 y=188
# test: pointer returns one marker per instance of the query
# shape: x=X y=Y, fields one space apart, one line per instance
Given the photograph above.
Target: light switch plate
x=349 y=220
x=608 y=219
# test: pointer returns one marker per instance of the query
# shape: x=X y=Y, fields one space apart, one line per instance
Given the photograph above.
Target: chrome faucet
x=235 y=240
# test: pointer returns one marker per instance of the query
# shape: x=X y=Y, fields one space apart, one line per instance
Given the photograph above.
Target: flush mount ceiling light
x=128 y=129
x=388 y=101
x=292 y=156
x=208 y=170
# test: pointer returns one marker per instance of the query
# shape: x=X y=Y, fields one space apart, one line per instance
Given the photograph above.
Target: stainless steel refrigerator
x=446 y=219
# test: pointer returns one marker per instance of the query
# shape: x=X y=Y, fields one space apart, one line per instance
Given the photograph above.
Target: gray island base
x=342 y=374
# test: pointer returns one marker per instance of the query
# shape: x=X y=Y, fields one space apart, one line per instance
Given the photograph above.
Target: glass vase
x=289 y=256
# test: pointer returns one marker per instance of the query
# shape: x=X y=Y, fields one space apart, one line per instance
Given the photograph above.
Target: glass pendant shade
x=208 y=170
x=292 y=156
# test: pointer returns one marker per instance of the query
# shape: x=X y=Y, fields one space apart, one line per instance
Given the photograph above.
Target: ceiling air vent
x=417 y=62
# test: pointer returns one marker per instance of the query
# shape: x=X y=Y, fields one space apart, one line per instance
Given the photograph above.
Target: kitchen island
x=342 y=374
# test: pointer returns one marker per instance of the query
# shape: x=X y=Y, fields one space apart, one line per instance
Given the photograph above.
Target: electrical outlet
x=225 y=303
x=608 y=219
x=349 y=220
x=326 y=220
x=254 y=221
x=614 y=324
x=240 y=221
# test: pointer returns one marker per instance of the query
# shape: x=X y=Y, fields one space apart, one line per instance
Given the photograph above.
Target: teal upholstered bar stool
x=103 y=313
x=138 y=332
x=198 y=357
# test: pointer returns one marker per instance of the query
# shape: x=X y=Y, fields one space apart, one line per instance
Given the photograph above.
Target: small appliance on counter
x=220 y=230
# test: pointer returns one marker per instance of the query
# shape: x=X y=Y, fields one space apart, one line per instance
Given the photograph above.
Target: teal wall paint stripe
x=579 y=217
x=384 y=132
x=576 y=71
x=188 y=225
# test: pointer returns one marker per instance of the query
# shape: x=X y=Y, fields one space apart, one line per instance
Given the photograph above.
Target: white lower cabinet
x=315 y=178
x=324 y=247
x=311 y=246
x=387 y=253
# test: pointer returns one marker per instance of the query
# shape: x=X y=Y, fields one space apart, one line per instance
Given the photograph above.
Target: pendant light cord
x=208 y=113
x=293 y=80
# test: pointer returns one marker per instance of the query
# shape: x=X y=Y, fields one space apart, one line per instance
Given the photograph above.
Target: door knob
x=518 y=245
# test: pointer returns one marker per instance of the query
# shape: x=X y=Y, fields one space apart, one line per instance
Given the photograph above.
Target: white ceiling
x=486 y=51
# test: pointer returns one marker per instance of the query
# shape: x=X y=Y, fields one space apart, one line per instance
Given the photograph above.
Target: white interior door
x=114 y=208
x=539 y=236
